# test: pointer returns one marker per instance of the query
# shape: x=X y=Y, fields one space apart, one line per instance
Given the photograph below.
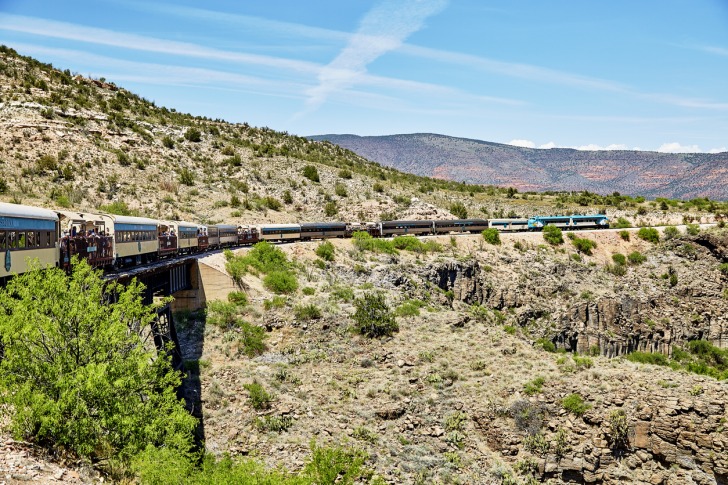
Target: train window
x=32 y=239
x=2 y=241
x=12 y=240
x=21 y=240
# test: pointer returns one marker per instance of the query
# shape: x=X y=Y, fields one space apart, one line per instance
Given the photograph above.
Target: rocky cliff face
x=639 y=311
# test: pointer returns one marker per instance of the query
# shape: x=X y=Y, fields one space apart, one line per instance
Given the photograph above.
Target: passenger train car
x=114 y=241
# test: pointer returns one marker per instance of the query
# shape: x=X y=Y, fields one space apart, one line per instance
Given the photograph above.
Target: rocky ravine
x=450 y=398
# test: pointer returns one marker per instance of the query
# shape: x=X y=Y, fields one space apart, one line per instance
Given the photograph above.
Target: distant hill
x=652 y=174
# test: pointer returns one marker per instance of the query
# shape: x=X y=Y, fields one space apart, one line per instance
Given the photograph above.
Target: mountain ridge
x=649 y=173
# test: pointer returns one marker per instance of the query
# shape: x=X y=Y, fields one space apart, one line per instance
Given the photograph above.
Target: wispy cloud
x=93 y=35
x=381 y=30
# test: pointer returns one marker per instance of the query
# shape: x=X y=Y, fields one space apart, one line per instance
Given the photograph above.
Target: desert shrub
x=308 y=291
x=616 y=269
x=528 y=416
x=345 y=174
x=649 y=234
x=281 y=282
x=193 y=135
x=534 y=386
x=75 y=372
x=373 y=316
x=409 y=308
x=723 y=268
x=670 y=232
x=624 y=235
x=491 y=236
x=647 y=358
x=271 y=203
x=552 y=235
x=239 y=298
x=287 y=197
x=622 y=223
x=379 y=188
x=619 y=259
x=46 y=163
x=365 y=242
x=411 y=243
x=340 y=190
x=325 y=251
x=537 y=444
x=275 y=302
x=307 y=312
x=583 y=245
x=583 y=362
x=167 y=142
x=222 y=314
x=342 y=293
x=693 y=229
x=258 y=396
x=546 y=344
x=458 y=210
x=251 y=339
x=618 y=428
x=311 y=173
x=186 y=176
x=636 y=258
x=575 y=404
x=330 y=209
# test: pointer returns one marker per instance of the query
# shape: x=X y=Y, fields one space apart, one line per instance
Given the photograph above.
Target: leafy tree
x=75 y=373
x=373 y=316
x=552 y=235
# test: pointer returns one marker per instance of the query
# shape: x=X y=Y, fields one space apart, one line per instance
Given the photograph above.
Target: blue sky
x=624 y=74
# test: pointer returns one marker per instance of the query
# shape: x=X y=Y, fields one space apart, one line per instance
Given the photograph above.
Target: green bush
x=308 y=291
x=723 y=268
x=373 y=317
x=311 y=173
x=193 y=135
x=222 y=314
x=649 y=234
x=258 y=396
x=411 y=243
x=575 y=404
x=619 y=259
x=670 y=232
x=459 y=210
x=325 y=466
x=648 y=358
x=636 y=258
x=622 y=223
x=238 y=297
x=186 y=177
x=583 y=245
x=340 y=190
x=326 y=251
x=546 y=344
x=365 y=242
x=624 y=235
x=251 y=339
x=693 y=229
x=342 y=293
x=552 y=235
x=618 y=428
x=307 y=312
x=409 y=308
x=75 y=372
x=281 y=282
x=534 y=387
x=168 y=142
x=275 y=302
x=330 y=209
x=491 y=236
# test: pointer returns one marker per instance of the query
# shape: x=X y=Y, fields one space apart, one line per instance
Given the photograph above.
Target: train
x=109 y=241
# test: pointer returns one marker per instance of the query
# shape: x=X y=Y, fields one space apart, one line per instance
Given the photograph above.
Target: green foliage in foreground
x=411 y=243
x=575 y=404
x=325 y=466
x=373 y=317
x=326 y=251
x=552 y=235
x=584 y=245
x=364 y=241
x=75 y=373
x=699 y=357
x=265 y=258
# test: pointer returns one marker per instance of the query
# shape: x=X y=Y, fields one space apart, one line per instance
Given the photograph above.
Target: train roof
x=461 y=221
x=83 y=216
x=26 y=212
x=280 y=226
x=326 y=224
x=223 y=226
x=181 y=223
x=133 y=220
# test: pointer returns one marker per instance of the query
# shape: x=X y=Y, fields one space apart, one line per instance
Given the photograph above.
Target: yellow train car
x=27 y=233
x=135 y=239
